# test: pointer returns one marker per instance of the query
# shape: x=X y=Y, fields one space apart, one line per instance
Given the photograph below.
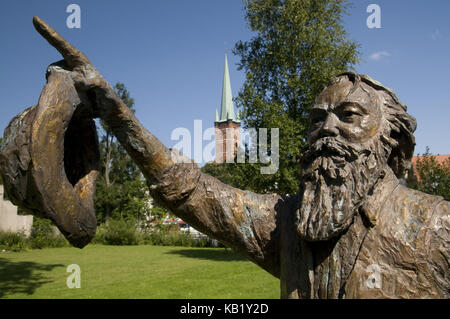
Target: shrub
x=175 y=238
x=12 y=241
x=118 y=232
x=126 y=232
x=44 y=234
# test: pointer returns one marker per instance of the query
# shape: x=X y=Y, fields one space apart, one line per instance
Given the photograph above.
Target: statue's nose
x=329 y=127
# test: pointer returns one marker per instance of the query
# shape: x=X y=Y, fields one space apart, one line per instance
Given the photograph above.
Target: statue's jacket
x=396 y=247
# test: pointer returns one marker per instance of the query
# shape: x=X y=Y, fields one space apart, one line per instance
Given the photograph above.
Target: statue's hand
x=84 y=74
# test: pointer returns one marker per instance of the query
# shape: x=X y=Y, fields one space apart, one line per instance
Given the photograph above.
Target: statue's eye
x=315 y=120
x=349 y=115
x=317 y=116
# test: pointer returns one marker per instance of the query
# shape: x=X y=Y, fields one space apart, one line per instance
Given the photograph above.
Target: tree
x=121 y=190
x=1 y=179
x=239 y=175
x=245 y=175
x=124 y=168
x=431 y=176
x=298 y=47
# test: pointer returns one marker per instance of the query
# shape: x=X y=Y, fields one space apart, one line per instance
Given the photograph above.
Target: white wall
x=9 y=220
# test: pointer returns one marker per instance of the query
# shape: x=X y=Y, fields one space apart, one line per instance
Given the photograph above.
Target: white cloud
x=379 y=55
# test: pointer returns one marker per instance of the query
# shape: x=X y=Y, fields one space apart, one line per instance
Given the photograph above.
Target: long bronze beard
x=334 y=185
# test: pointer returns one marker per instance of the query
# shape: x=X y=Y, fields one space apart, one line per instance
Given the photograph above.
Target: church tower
x=227 y=126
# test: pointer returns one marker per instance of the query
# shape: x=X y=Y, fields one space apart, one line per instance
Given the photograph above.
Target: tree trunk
x=109 y=140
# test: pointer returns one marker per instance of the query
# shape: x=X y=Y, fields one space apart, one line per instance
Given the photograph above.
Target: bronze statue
x=353 y=231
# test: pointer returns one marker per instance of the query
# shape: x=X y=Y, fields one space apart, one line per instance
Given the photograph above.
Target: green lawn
x=134 y=272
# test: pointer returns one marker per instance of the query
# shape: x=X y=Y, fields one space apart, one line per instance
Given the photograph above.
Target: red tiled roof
x=439 y=158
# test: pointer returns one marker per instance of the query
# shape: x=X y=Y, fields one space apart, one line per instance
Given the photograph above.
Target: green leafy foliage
x=430 y=176
x=234 y=174
x=245 y=176
x=129 y=199
x=159 y=212
x=43 y=235
x=176 y=238
x=12 y=241
x=121 y=231
x=298 y=47
x=118 y=232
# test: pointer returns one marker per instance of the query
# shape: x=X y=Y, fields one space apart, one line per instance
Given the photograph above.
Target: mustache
x=331 y=147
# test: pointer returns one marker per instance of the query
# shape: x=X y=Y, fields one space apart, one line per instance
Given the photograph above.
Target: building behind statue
x=227 y=125
x=10 y=220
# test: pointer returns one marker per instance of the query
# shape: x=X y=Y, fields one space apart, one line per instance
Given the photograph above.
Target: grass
x=152 y=272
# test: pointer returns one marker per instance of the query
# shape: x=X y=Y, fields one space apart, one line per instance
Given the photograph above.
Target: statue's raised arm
x=240 y=219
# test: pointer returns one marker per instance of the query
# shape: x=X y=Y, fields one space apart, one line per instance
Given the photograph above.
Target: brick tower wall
x=227 y=133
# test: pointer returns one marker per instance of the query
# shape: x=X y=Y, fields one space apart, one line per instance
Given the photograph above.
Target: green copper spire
x=227 y=107
x=217 y=116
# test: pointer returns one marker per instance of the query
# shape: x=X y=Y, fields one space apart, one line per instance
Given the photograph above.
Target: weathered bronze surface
x=50 y=156
x=353 y=231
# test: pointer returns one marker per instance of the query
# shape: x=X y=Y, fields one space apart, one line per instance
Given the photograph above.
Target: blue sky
x=170 y=55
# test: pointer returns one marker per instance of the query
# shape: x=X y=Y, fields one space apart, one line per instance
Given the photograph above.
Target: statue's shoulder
x=435 y=209
x=409 y=214
x=421 y=206
x=422 y=222
x=414 y=195
x=432 y=253
x=410 y=243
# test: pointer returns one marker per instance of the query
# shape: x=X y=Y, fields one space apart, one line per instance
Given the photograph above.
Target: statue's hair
x=398 y=135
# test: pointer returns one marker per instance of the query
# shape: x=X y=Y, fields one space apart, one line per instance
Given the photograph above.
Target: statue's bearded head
x=358 y=130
